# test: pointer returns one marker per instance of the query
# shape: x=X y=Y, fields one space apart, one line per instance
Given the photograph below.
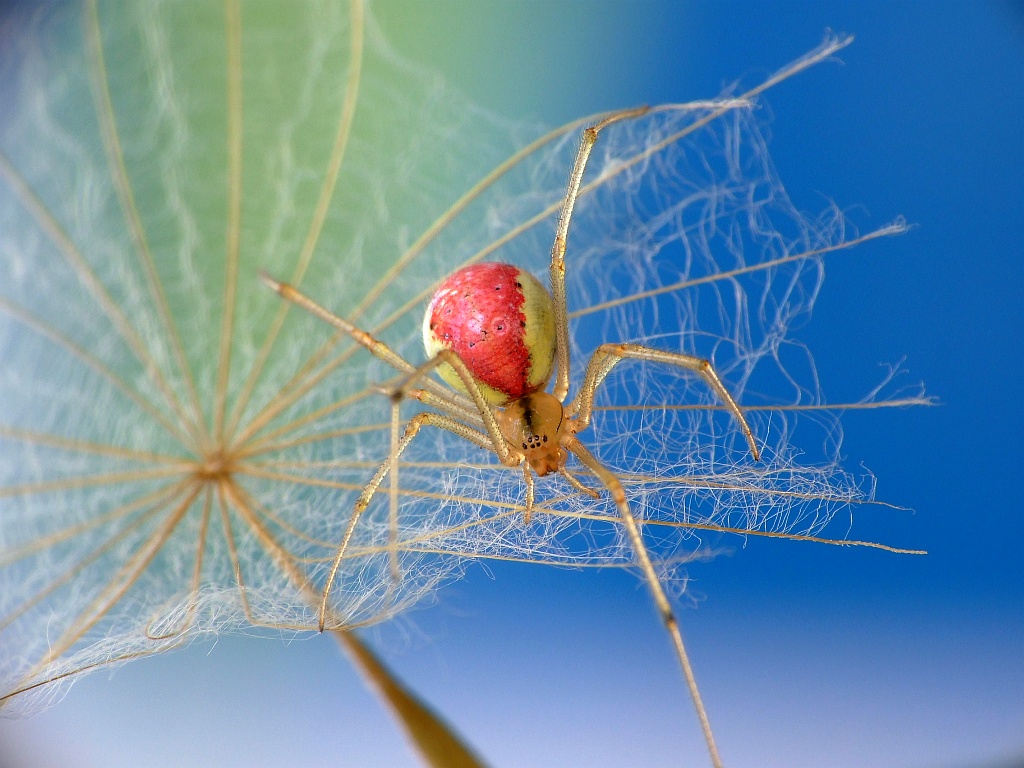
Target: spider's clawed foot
x=274 y=285
x=394 y=393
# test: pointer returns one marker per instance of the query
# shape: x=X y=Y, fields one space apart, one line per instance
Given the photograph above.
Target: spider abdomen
x=500 y=321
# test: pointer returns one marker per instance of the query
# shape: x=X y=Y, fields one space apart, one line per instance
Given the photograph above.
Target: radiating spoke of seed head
x=119 y=584
x=119 y=176
x=91 y=282
x=330 y=181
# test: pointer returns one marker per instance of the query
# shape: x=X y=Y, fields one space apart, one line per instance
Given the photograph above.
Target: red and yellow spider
x=496 y=335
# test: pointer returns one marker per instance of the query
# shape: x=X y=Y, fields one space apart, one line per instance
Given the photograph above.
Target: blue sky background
x=806 y=655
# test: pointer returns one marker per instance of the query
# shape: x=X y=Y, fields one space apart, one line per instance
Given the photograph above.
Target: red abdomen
x=499 y=320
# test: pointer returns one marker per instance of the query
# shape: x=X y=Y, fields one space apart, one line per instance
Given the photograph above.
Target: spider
x=496 y=336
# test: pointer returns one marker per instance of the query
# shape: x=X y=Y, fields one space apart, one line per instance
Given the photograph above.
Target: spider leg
x=668 y=617
x=528 y=477
x=608 y=355
x=575 y=483
x=455 y=408
x=483 y=415
x=558 y=247
x=451 y=407
x=396 y=571
x=377 y=348
x=412 y=428
x=483 y=410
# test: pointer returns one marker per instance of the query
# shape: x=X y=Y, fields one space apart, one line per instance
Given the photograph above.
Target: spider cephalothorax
x=536 y=424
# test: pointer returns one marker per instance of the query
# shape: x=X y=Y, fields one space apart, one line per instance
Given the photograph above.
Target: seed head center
x=216 y=466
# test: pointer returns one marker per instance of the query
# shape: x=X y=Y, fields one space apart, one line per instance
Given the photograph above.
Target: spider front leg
x=492 y=441
x=643 y=559
x=528 y=479
x=454 y=405
x=483 y=410
x=608 y=355
x=557 y=269
x=419 y=421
